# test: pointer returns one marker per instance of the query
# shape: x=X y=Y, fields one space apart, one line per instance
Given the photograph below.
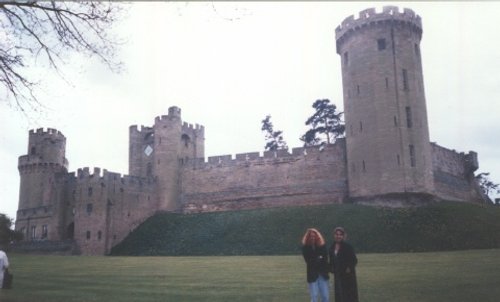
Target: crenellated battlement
x=190 y=128
x=49 y=132
x=174 y=113
x=142 y=129
x=267 y=156
x=369 y=17
x=83 y=175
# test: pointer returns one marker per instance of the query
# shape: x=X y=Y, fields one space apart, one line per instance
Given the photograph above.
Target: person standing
x=316 y=258
x=4 y=264
x=343 y=262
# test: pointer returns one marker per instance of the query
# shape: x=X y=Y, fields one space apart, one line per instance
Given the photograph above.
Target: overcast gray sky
x=228 y=65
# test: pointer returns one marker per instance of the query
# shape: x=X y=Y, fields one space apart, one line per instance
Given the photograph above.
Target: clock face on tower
x=148 y=150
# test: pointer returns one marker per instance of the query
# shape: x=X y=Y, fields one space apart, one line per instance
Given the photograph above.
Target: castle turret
x=39 y=215
x=387 y=135
x=174 y=144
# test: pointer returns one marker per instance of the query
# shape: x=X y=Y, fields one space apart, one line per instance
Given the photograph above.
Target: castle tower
x=161 y=150
x=39 y=216
x=387 y=135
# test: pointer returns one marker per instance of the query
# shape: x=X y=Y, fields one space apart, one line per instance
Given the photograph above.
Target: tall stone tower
x=161 y=150
x=39 y=215
x=387 y=135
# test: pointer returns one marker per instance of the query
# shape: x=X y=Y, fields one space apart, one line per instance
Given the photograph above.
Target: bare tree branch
x=44 y=32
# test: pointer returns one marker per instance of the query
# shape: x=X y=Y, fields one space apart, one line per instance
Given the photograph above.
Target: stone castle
x=386 y=156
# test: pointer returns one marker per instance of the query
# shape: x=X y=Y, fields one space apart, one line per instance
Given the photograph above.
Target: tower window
x=346 y=58
x=90 y=191
x=186 y=139
x=33 y=151
x=405 y=80
x=357 y=89
x=360 y=126
x=399 y=160
x=381 y=44
x=387 y=83
x=417 y=51
x=99 y=235
x=44 y=231
x=33 y=232
x=364 y=166
x=412 y=156
x=409 y=121
x=88 y=235
x=395 y=121
x=89 y=208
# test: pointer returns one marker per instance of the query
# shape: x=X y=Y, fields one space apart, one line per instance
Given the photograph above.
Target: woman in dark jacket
x=316 y=257
x=342 y=264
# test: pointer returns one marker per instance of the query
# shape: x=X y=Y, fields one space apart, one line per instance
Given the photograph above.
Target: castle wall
x=109 y=207
x=454 y=174
x=305 y=177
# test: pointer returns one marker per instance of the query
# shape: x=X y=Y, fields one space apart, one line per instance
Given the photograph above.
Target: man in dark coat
x=343 y=262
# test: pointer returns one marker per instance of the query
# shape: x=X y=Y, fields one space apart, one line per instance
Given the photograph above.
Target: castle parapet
x=247 y=156
x=369 y=17
x=106 y=177
x=189 y=128
x=49 y=131
x=136 y=129
x=267 y=156
x=471 y=162
x=173 y=113
x=219 y=159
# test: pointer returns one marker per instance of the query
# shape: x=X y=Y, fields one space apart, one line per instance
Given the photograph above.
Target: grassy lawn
x=442 y=276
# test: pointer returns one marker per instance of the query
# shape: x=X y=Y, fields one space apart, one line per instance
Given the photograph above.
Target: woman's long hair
x=320 y=241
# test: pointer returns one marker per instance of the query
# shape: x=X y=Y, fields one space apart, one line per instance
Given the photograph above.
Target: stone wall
x=454 y=174
x=304 y=177
x=109 y=207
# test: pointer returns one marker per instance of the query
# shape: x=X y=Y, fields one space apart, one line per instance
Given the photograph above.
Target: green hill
x=278 y=231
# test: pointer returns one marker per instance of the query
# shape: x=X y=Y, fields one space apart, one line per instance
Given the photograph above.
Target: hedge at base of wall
x=278 y=231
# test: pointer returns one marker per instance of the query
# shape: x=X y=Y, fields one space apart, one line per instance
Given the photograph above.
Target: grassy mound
x=278 y=231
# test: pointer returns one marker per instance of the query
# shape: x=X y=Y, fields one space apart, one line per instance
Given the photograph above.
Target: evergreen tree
x=326 y=124
x=274 y=139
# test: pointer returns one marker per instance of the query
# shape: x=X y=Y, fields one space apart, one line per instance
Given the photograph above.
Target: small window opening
x=88 y=235
x=33 y=232
x=381 y=44
x=412 y=156
x=346 y=58
x=409 y=121
x=33 y=151
x=395 y=121
x=405 y=80
x=45 y=231
x=89 y=208
x=364 y=166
